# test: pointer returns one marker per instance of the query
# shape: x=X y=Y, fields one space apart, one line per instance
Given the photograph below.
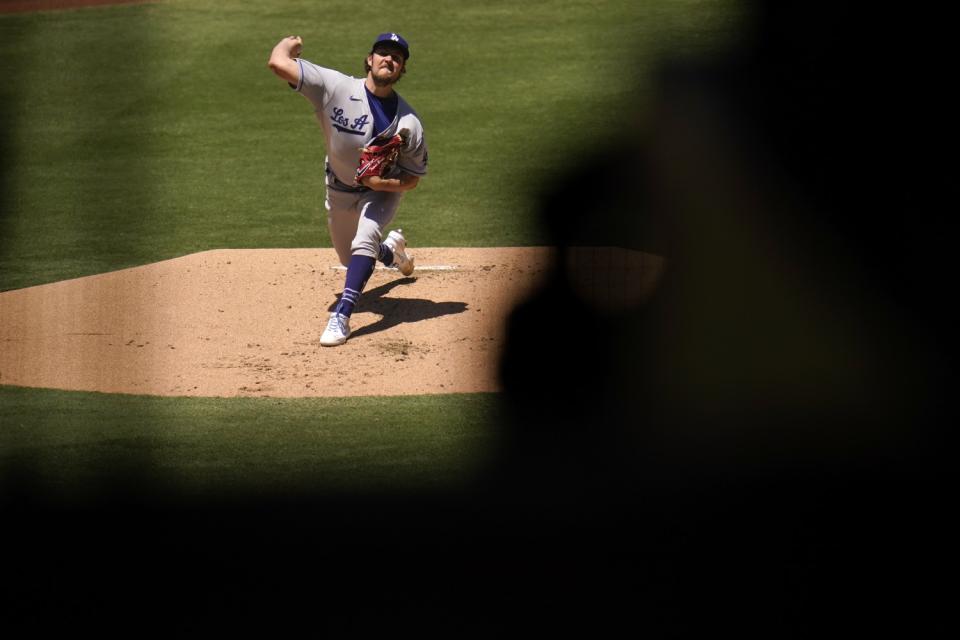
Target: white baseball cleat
x=398 y=245
x=337 y=331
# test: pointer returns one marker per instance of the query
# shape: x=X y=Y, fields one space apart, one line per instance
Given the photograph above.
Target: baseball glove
x=380 y=156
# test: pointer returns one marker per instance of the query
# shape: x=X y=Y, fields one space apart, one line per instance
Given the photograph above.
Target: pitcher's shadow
x=397 y=311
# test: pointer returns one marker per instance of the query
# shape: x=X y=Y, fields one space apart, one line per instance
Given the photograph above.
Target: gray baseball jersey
x=344 y=113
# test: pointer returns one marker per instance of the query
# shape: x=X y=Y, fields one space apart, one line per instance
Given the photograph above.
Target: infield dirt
x=246 y=322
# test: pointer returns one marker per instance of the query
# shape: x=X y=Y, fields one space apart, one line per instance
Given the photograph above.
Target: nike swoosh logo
x=356 y=99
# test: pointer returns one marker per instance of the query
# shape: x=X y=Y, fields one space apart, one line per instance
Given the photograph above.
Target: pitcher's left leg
x=377 y=209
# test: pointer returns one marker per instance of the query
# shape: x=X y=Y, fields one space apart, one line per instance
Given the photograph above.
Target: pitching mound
x=248 y=322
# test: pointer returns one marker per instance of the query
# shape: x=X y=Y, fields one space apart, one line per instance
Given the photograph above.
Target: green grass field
x=139 y=133
x=78 y=445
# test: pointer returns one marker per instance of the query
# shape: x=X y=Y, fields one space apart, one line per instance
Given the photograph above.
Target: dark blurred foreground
x=763 y=446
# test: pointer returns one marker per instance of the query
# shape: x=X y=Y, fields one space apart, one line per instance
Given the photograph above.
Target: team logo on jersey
x=344 y=124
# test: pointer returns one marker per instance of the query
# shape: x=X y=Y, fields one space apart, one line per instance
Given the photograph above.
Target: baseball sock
x=386 y=255
x=358 y=272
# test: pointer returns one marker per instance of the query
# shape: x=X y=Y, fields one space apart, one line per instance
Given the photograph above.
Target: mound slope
x=246 y=322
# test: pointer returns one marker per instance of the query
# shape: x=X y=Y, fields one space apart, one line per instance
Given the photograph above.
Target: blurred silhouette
x=758 y=444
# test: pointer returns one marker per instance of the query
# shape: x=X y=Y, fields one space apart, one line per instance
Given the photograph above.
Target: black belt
x=337 y=185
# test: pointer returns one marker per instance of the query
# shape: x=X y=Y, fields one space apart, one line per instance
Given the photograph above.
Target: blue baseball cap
x=394 y=39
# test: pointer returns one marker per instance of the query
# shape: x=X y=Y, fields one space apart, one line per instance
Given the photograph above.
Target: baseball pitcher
x=375 y=152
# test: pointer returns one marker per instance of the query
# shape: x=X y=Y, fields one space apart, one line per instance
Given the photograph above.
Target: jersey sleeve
x=414 y=160
x=316 y=83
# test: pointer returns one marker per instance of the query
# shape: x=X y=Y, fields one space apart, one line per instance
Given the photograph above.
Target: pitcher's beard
x=384 y=81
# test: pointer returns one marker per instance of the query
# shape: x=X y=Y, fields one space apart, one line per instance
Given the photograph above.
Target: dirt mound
x=246 y=322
